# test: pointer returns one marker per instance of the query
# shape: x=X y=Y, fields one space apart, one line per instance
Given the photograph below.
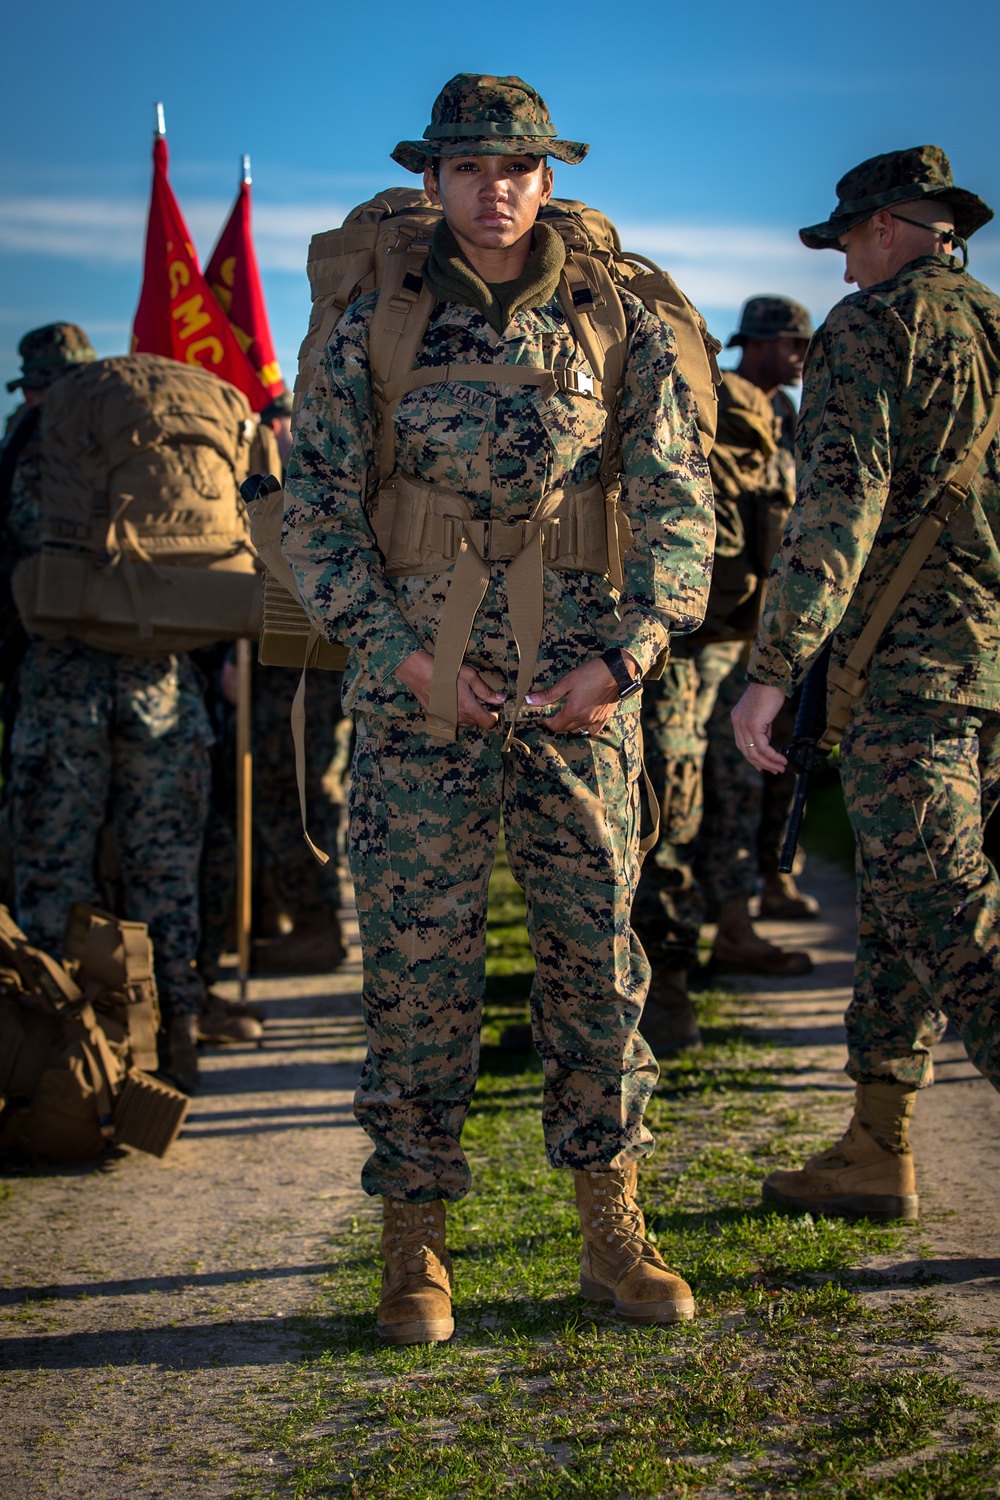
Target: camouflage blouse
x=898 y=382
x=502 y=449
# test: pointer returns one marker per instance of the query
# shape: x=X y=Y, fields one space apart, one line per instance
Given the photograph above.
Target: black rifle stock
x=804 y=753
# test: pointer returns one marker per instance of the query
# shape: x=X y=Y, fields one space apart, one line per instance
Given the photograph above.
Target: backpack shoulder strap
x=397 y=329
x=849 y=680
x=596 y=315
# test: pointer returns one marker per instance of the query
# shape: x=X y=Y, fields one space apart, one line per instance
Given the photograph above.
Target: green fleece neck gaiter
x=449 y=276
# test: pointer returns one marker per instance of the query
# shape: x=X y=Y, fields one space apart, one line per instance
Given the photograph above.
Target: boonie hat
x=897 y=177
x=476 y=114
x=48 y=352
x=772 y=318
x=281 y=406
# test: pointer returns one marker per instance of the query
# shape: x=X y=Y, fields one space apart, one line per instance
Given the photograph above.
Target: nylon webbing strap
x=578 y=382
x=469 y=582
x=298 y=723
x=849 y=681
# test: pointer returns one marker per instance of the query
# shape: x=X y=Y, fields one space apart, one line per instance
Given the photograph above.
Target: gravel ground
x=142 y=1302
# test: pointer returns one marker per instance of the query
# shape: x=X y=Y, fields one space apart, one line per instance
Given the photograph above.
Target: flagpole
x=161 y=123
x=244 y=815
x=245 y=164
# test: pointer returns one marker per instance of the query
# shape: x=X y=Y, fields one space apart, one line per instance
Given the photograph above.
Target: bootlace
x=412 y=1234
x=617 y=1219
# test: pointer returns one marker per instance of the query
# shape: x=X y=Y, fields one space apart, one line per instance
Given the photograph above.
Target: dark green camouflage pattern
x=477 y=114
x=898 y=381
x=890 y=180
x=423 y=829
x=771 y=318
x=502 y=449
x=919 y=780
x=303 y=886
x=101 y=736
x=46 y=353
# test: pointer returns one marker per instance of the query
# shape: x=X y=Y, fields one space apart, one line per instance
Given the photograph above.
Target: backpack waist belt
x=426 y=529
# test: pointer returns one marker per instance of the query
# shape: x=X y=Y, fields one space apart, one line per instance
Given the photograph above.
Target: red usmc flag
x=235 y=280
x=177 y=314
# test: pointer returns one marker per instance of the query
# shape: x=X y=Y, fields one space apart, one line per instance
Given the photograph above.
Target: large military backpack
x=69 y=1087
x=145 y=542
x=383 y=245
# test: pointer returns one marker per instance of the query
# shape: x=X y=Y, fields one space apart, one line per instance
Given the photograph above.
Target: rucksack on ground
x=382 y=244
x=68 y=1089
x=145 y=541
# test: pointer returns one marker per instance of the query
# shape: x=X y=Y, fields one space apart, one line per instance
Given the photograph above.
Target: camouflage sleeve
x=847 y=426
x=326 y=536
x=667 y=495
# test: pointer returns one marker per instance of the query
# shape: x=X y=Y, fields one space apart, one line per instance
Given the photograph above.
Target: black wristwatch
x=614 y=660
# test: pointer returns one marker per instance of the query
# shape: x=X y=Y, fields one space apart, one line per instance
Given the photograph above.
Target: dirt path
x=140 y=1303
x=955 y=1132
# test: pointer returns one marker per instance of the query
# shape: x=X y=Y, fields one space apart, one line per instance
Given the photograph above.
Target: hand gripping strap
x=849 y=681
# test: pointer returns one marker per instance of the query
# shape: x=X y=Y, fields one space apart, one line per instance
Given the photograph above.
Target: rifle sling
x=849 y=681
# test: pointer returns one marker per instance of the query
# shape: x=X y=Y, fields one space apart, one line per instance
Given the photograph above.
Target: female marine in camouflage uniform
x=426 y=810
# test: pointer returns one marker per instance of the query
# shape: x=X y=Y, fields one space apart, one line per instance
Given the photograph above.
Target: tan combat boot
x=315 y=945
x=869 y=1172
x=782 y=901
x=668 y=1021
x=415 y=1307
x=222 y=1020
x=738 y=949
x=617 y=1263
x=179 y=1054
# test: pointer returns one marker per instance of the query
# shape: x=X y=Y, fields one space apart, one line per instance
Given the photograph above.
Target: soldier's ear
x=431 y=186
x=548 y=182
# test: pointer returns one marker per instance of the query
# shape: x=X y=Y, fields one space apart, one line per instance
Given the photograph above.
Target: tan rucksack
x=383 y=244
x=141 y=462
x=111 y=961
x=67 y=1090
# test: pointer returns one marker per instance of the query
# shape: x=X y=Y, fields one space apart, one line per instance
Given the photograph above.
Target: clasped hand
x=589 y=695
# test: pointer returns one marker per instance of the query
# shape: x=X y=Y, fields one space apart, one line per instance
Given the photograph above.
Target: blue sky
x=716 y=131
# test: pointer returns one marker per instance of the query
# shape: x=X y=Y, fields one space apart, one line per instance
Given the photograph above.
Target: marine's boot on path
x=618 y=1265
x=668 y=1022
x=738 y=949
x=415 y=1307
x=869 y=1172
x=782 y=901
x=178 y=1052
x=222 y=1020
x=315 y=945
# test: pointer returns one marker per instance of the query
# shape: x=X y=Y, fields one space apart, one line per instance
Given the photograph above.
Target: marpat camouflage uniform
x=103 y=737
x=689 y=874
x=425 y=817
x=898 y=382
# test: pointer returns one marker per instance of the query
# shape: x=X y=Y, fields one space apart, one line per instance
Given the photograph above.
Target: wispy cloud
x=717 y=264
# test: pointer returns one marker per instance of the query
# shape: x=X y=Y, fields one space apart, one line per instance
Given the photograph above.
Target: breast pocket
x=439 y=430
x=574 y=426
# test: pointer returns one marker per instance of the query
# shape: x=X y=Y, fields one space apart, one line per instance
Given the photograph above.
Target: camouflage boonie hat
x=897 y=177
x=479 y=115
x=46 y=353
x=772 y=318
x=281 y=406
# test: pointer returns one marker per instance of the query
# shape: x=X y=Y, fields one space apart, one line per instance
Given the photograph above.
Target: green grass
x=825 y=827
x=788 y=1384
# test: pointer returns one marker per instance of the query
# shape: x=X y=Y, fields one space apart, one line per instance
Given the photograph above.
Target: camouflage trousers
x=304 y=885
x=122 y=739
x=424 y=824
x=676 y=714
x=920 y=779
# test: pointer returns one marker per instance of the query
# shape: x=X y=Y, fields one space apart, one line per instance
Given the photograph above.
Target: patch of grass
x=787 y=1385
x=826 y=830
